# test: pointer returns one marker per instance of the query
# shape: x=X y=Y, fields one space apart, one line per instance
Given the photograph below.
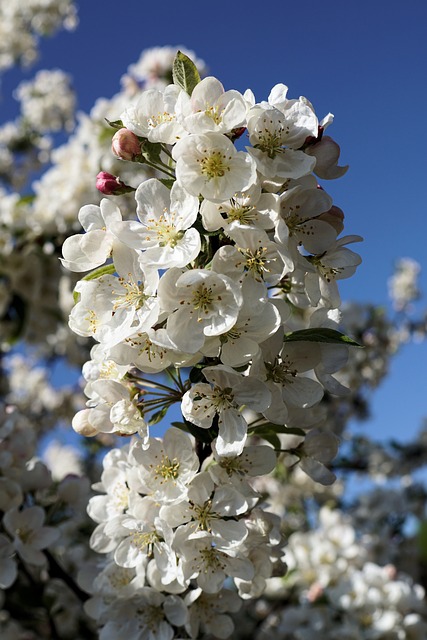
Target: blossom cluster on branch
x=228 y=276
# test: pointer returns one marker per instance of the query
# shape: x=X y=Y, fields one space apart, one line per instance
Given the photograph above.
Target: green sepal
x=184 y=73
x=319 y=334
x=116 y=124
x=93 y=275
x=158 y=416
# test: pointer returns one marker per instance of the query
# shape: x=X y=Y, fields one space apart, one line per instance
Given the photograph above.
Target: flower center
x=280 y=372
x=233 y=466
x=214 y=165
x=160 y=118
x=256 y=260
x=121 y=577
x=132 y=296
x=327 y=272
x=165 y=230
x=203 y=514
x=212 y=559
x=233 y=334
x=222 y=398
x=92 y=319
x=167 y=469
x=24 y=534
x=141 y=539
x=272 y=136
x=202 y=299
x=214 y=114
x=244 y=215
x=151 y=617
x=120 y=496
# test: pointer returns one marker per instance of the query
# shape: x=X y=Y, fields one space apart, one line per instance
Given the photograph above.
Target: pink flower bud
x=125 y=144
x=110 y=185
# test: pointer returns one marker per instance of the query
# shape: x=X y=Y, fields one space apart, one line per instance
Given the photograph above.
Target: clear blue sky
x=363 y=61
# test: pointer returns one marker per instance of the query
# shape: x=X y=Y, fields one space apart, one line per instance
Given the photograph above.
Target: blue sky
x=363 y=61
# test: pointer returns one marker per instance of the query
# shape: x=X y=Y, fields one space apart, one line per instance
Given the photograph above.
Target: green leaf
x=269 y=427
x=93 y=275
x=422 y=540
x=196 y=375
x=184 y=73
x=203 y=435
x=26 y=199
x=15 y=319
x=180 y=425
x=273 y=439
x=151 y=151
x=168 y=182
x=320 y=334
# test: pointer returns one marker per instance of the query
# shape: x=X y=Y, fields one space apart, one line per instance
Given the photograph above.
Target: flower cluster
x=47 y=101
x=342 y=594
x=229 y=274
x=168 y=526
x=21 y=24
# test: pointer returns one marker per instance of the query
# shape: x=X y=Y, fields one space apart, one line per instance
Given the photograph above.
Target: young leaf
x=319 y=334
x=184 y=73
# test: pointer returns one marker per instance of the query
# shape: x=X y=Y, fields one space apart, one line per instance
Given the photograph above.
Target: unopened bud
x=125 y=144
x=111 y=185
x=81 y=424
